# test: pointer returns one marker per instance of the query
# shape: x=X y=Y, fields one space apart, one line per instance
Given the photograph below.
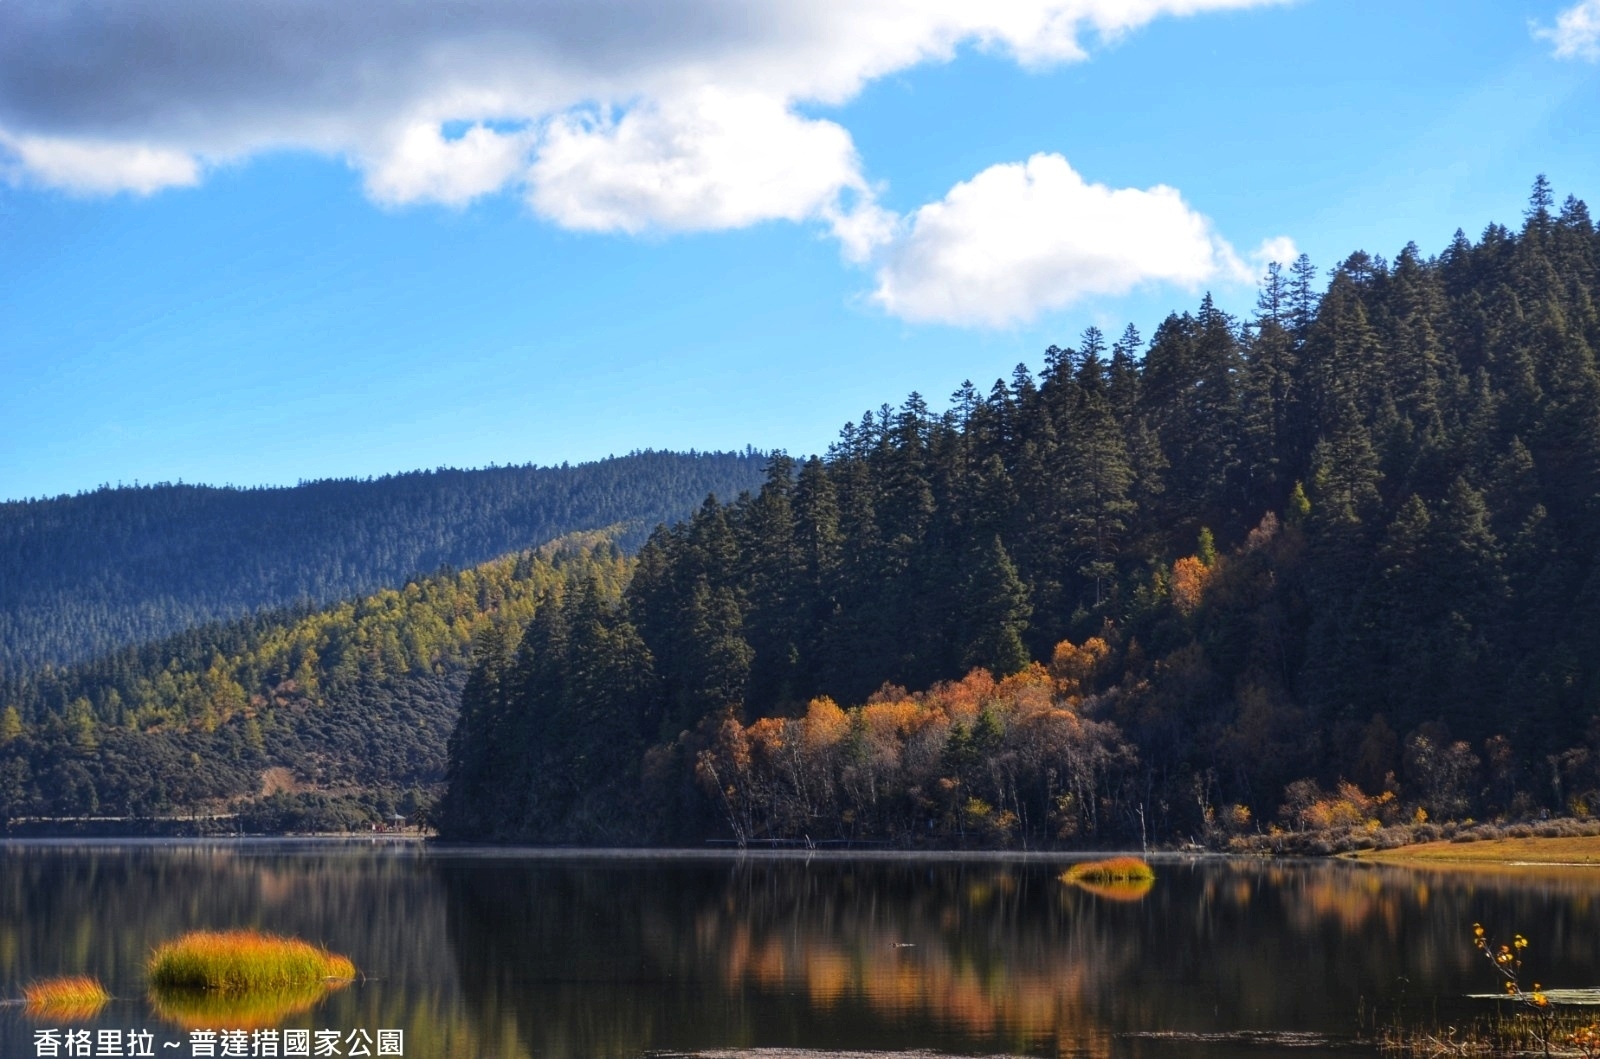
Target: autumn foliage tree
x=1002 y=761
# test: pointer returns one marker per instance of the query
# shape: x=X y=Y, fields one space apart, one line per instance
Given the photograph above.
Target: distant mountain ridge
x=84 y=575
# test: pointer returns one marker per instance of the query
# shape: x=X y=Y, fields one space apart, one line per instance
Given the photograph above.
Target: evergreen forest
x=305 y=719
x=1335 y=563
x=83 y=575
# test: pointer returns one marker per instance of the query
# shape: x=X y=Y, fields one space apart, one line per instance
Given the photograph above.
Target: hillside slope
x=83 y=575
x=310 y=719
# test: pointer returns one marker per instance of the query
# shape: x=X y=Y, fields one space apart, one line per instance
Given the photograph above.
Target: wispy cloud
x=96 y=167
x=1576 y=34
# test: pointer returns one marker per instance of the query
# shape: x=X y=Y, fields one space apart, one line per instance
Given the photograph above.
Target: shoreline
x=1560 y=851
x=1580 y=852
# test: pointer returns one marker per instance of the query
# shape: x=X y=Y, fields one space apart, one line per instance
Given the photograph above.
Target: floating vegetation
x=1114 y=870
x=205 y=1009
x=69 y=998
x=241 y=961
x=1116 y=879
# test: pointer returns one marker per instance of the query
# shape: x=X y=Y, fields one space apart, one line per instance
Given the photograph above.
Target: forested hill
x=316 y=719
x=1355 y=538
x=82 y=575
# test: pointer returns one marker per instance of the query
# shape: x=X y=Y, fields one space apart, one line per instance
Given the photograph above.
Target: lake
x=516 y=953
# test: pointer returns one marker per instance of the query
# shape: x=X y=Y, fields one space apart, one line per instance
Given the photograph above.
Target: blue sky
x=270 y=241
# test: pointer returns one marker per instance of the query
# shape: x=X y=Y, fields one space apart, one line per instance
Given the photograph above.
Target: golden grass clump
x=1105 y=872
x=238 y=961
x=72 y=997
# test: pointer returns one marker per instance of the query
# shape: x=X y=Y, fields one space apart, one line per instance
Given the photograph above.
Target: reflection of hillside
x=192 y=1009
x=953 y=962
x=1352 y=932
x=102 y=908
x=974 y=958
x=109 y=906
x=516 y=956
x=613 y=958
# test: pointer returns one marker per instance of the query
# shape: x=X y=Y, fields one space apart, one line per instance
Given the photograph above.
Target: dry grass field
x=1570 y=850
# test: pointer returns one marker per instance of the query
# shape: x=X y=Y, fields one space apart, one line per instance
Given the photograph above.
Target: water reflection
x=195 y=1009
x=565 y=956
x=1119 y=890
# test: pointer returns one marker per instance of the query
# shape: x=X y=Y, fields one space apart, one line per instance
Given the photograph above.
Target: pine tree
x=1100 y=478
x=1302 y=298
x=771 y=577
x=996 y=612
x=480 y=743
x=1540 y=201
x=721 y=657
x=1268 y=397
x=1344 y=469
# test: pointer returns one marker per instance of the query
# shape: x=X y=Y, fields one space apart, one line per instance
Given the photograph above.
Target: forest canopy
x=307 y=719
x=1343 y=552
x=81 y=576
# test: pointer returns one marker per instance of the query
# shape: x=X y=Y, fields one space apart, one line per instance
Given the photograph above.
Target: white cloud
x=102 y=168
x=422 y=165
x=710 y=159
x=1576 y=34
x=149 y=90
x=862 y=228
x=608 y=115
x=1022 y=238
x=1279 y=249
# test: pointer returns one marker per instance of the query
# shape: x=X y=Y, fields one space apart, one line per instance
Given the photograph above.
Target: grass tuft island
x=70 y=997
x=240 y=961
x=1113 y=870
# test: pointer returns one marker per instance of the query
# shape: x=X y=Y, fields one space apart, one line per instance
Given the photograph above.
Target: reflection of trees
x=612 y=958
x=106 y=908
x=101 y=909
x=515 y=956
x=260 y=1009
x=982 y=952
x=1306 y=943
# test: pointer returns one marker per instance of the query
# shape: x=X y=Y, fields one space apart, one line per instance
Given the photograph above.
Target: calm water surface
x=517 y=954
